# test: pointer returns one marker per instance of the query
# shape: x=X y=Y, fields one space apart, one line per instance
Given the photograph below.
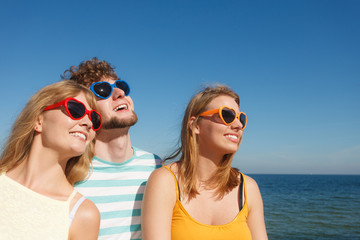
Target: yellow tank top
x=26 y=214
x=183 y=226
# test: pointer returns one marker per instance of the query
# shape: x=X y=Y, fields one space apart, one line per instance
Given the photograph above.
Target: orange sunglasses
x=228 y=115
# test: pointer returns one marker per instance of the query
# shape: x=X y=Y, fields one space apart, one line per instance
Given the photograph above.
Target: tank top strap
x=176 y=183
x=75 y=208
x=241 y=190
x=244 y=186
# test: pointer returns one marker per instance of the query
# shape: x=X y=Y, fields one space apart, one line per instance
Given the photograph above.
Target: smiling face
x=64 y=135
x=213 y=135
x=117 y=111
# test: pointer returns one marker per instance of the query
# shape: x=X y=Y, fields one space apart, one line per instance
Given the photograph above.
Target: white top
x=26 y=214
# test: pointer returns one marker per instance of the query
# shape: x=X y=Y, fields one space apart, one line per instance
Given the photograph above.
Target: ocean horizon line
x=304 y=174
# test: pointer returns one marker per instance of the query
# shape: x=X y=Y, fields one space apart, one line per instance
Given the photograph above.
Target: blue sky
x=295 y=65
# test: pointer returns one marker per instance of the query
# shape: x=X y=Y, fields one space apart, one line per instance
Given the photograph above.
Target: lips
x=232 y=137
x=120 y=107
x=81 y=135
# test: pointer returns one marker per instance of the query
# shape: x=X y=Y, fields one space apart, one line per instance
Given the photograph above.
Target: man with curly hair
x=120 y=171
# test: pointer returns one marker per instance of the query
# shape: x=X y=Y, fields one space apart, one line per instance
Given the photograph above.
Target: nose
x=117 y=93
x=237 y=124
x=86 y=122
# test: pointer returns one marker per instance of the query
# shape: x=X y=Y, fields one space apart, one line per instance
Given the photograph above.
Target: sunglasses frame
x=219 y=111
x=87 y=112
x=92 y=88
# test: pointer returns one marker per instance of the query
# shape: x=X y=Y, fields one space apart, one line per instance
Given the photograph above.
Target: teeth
x=121 y=107
x=77 y=134
x=232 y=136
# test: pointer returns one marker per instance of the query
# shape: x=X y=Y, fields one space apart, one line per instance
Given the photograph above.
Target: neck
x=206 y=168
x=43 y=171
x=114 y=145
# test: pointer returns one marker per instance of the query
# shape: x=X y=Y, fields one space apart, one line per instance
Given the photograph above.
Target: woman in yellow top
x=201 y=196
x=49 y=149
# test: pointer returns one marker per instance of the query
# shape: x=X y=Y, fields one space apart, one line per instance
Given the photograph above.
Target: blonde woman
x=201 y=196
x=49 y=149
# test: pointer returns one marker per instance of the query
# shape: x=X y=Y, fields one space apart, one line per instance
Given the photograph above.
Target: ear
x=193 y=125
x=39 y=123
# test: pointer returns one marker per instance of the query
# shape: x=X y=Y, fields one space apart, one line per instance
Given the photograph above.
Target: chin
x=114 y=123
x=232 y=150
x=77 y=151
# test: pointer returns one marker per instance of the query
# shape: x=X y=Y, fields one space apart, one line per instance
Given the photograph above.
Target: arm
x=157 y=206
x=255 y=219
x=86 y=222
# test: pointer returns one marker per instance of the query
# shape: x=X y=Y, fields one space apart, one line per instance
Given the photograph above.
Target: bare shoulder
x=157 y=205
x=162 y=174
x=253 y=193
x=250 y=183
x=88 y=212
x=86 y=222
x=161 y=186
x=255 y=218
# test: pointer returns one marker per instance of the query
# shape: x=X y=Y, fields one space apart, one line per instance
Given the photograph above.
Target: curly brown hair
x=90 y=71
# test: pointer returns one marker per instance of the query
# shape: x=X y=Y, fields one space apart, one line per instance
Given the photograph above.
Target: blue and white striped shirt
x=117 y=190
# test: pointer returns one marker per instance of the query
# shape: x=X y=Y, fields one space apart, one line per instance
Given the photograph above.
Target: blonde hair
x=20 y=140
x=226 y=177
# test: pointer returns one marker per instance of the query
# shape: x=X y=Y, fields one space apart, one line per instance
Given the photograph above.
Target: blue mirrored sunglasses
x=104 y=89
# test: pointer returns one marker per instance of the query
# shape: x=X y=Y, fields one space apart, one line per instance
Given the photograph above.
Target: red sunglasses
x=77 y=110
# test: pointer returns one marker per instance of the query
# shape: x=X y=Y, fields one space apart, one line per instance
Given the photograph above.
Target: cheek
x=131 y=103
x=56 y=121
x=207 y=134
x=241 y=137
x=92 y=135
x=102 y=106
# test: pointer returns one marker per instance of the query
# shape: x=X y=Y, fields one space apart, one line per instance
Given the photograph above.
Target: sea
x=311 y=206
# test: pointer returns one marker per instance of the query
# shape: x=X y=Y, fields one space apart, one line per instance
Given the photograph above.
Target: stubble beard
x=114 y=122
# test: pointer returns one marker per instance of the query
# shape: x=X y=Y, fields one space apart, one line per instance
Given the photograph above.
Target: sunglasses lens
x=103 y=89
x=243 y=119
x=76 y=109
x=123 y=86
x=228 y=115
x=96 y=120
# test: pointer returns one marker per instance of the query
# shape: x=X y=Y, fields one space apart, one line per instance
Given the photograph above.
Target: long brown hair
x=226 y=177
x=17 y=147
